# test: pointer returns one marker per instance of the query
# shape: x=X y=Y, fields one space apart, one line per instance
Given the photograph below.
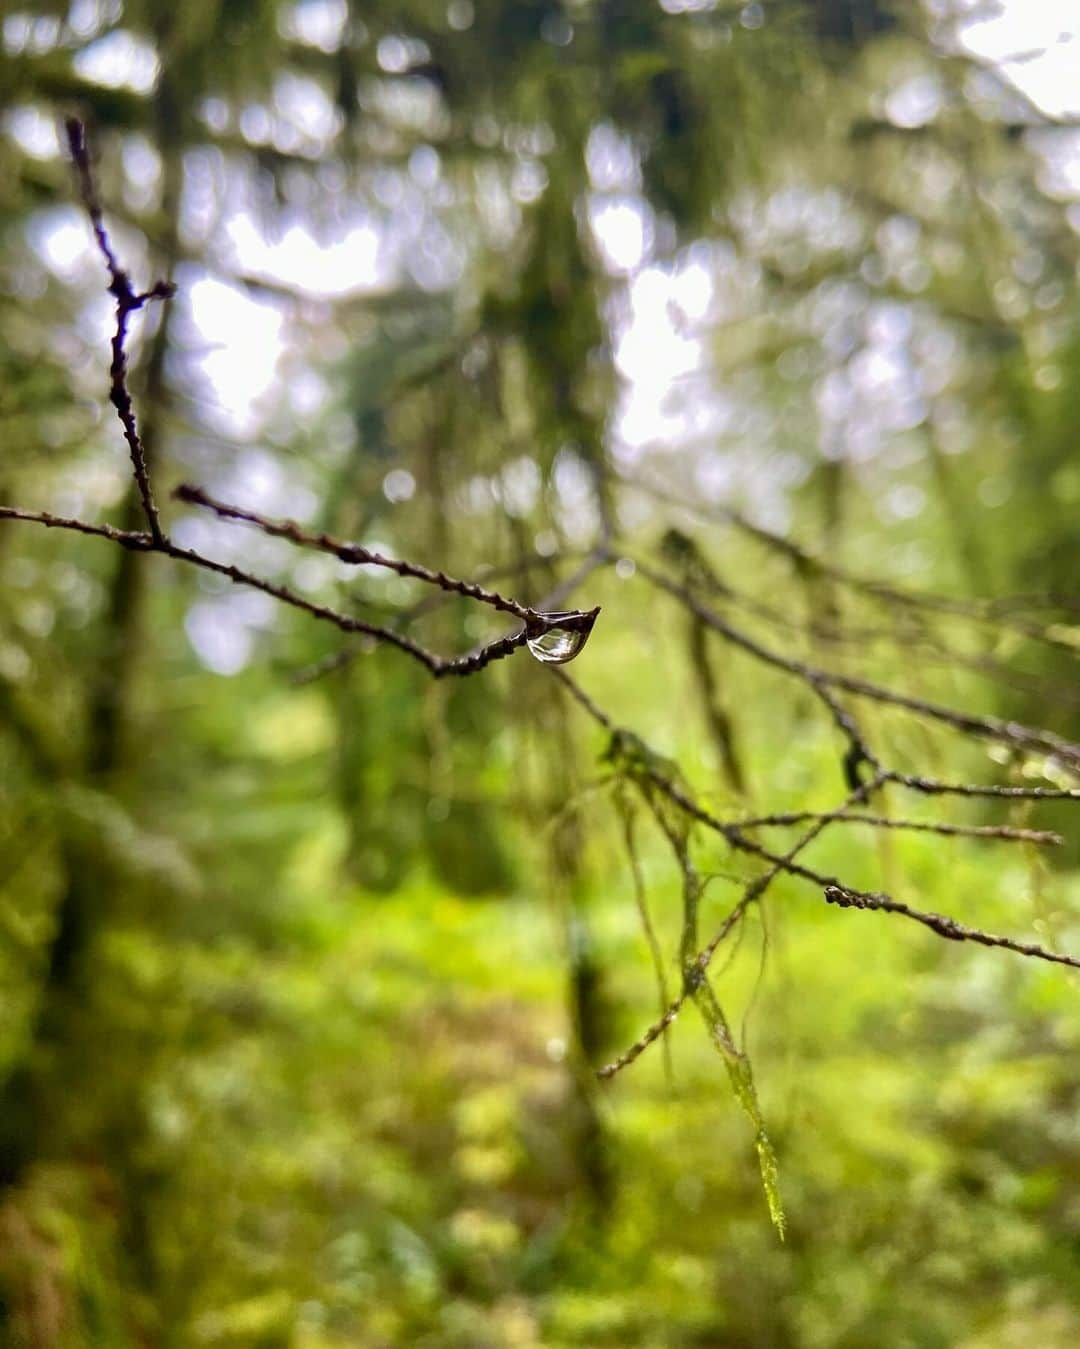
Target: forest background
x=755 y=325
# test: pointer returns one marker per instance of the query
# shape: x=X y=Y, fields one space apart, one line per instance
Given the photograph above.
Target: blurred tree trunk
x=586 y=1002
x=47 y=1103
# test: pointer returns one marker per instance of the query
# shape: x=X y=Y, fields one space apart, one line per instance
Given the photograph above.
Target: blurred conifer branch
x=823 y=682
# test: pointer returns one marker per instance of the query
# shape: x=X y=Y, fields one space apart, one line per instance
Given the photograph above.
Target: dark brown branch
x=940 y=923
x=998 y=831
x=834 y=893
x=338 y=660
x=935 y=787
x=733 y=833
x=343 y=621
x=124 y=537
x=353 y=554
x=928 y=644
x=435 y=664
x=858 y=752
x=697 y=968
x=128 y=302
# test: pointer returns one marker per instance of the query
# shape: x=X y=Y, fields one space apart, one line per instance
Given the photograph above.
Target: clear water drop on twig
x=555 y=638
x=556 y=646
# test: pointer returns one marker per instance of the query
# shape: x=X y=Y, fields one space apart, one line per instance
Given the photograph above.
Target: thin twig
x=126 y=538
x=128 y=302
x=995 y=612
x=985 y=727
x=733 y=833
x=338 y=660
x=942 y=924
x=697 y=967
x=353 y=554
x=437 y=665
x=936 y=787
x=998 y=831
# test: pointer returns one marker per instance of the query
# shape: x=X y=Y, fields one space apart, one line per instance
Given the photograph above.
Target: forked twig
x=129 y=301
x=648 y=767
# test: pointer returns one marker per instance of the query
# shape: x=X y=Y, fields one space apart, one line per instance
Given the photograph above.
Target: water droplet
x=557 y=645
x=556 y=638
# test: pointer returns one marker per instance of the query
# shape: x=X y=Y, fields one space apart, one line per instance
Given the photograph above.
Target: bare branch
x=648 y=1037
x=128 y=302
x=437 y=665
x=125 y=537
x=354 y=554
x=996 y=831
x=940 y=923
x=935 y=787
x=696 y=969
x=647 y=768
x=338 y=660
